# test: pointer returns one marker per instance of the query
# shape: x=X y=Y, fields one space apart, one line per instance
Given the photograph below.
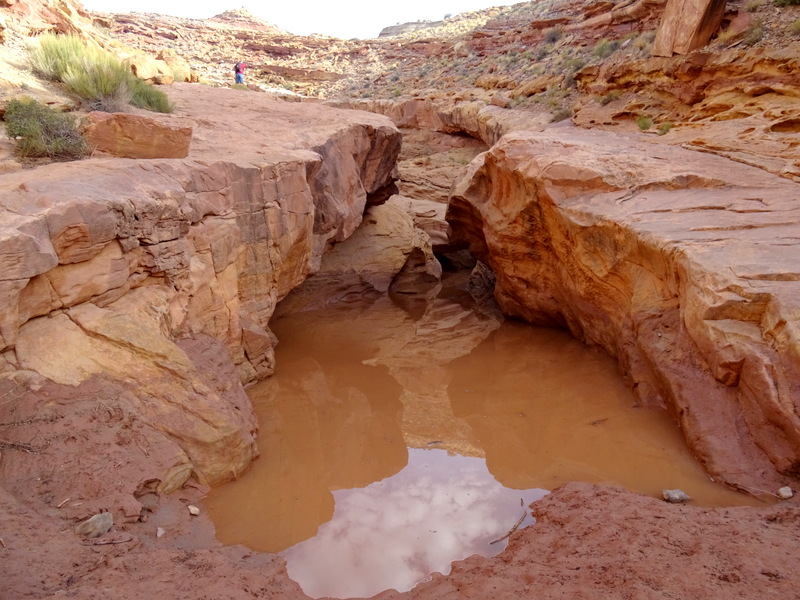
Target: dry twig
x=107 y=542
x=18 y=446
x=513 y=529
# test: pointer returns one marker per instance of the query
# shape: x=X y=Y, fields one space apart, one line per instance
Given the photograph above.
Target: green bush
x=98 y=77
x=794 y=27
x=605 y=48
x=644 y=123
x=149 y=97
x=560 y=114
x=787 y=2
x=754 y=33
x=42 y=132
x=663 y=128
x=553 y=34
x=102 y=80
x=54 y=54
x=610 y=97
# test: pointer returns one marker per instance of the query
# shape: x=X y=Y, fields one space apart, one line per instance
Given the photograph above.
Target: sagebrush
x=41 y=132
x=98 y=77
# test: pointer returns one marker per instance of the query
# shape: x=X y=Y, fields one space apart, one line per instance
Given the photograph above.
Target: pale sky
x=344 y=19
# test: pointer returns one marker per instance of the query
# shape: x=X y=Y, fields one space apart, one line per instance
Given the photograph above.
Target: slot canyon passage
x=140 y=293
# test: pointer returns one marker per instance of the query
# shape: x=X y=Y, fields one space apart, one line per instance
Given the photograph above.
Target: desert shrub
x=644 y=123
x=55 y=53
x=604 y=48
x=42 y=132
x=664 y=128
x=149 y=97
x=753 y=5
x=787 y=2
x=725 y=36
x=574 y=63
x=93 y=74
x=101 y=80
x=560 y=113
x=543 y=51
x=754 y=33
x=553 y=34
x=642 y=42
x=610 y=97
x=794 y=27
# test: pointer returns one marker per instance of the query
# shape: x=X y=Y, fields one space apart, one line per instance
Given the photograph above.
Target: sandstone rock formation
x=153 y=272
x=33 y=17
x=387 y=252
x=476 y=119
x=687 y=25
x=681 y=265
x=136 y=136
x=741 y=104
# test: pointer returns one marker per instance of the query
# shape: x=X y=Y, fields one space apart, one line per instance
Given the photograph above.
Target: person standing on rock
x=238 y=70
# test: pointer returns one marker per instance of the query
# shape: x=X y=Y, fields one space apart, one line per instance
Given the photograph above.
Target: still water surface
x=393 y=445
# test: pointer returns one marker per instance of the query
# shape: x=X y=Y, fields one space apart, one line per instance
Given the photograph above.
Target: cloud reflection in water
x=394 y=533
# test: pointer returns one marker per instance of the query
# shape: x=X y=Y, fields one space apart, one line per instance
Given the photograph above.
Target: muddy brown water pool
x=392 y=446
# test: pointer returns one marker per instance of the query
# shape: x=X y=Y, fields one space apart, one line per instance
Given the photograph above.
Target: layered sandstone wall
x=487 y=123
x=137 y=271
x=682 y=265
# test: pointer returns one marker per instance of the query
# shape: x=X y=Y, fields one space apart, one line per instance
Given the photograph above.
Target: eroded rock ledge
x=682 y=265
x=144 y=272
x=477 y=119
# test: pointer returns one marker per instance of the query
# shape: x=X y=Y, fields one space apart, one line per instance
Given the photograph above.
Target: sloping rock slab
x=684 y=266
x=136 y=136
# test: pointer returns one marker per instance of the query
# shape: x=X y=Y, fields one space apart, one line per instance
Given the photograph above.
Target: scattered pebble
x=160 y=531
x=785 y=493
x=193 y=510
x=95 y=526
x=675 y=496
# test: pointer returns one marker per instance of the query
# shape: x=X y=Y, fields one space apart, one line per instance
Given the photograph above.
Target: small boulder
x=675 y=496
x=193 y=510
x=785 y=493
x=95 y=526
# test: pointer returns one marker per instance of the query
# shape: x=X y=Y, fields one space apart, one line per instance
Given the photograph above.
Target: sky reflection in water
x=394 y=533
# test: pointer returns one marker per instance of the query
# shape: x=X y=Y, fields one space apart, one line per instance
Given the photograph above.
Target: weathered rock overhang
x=682 y=265
x=479 y=120
x=134 y=270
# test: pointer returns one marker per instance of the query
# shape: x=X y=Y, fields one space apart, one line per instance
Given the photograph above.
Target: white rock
x=675 y=496
x=95 y=526
x=785 y=493
x=160 y=531
x=193 y=510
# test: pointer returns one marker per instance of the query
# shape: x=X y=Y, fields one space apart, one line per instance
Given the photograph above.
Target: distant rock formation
x=402 y=28
x=242 y=19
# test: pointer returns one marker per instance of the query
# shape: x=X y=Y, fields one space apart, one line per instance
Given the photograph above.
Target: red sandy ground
x=589 y=542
